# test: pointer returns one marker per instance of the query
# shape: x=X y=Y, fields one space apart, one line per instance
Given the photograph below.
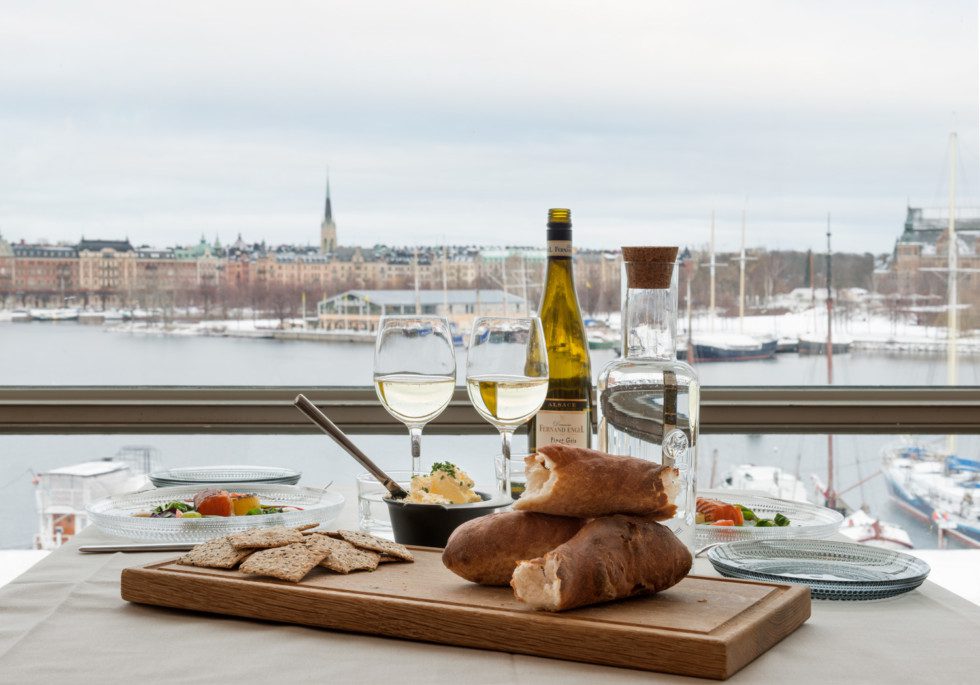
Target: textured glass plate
x=832 y=570
x=807 y=521
x=114 y=515
x=210 y=475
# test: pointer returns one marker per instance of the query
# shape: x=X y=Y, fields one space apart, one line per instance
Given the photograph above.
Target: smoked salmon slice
x=716 y=510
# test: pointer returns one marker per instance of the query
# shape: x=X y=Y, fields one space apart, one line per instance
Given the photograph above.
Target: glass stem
x=505 y=487
x=416 y=434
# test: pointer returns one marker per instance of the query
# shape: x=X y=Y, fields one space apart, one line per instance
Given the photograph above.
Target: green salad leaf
x=172 y=506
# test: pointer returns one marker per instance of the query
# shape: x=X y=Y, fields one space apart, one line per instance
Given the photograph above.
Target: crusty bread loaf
x=485 y=550
x=574 y=481
x=609 y=558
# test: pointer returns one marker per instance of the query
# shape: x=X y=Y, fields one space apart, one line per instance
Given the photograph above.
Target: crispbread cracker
x=291 y=562
x=345 y=557
x=306 y=526
x=373 y=544
x=264 y=538
x=388 y=559
x=216 y=553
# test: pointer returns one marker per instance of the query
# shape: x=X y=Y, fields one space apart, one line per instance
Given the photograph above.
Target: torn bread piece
x=291 y=562
x=485 y=550
x=265 y=538
x=584 y=483
x=344 y=557
x=373 y=544
x=610 y=558
x=216 y=553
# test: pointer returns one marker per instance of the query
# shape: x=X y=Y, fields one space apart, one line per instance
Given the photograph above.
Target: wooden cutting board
x=706 y=627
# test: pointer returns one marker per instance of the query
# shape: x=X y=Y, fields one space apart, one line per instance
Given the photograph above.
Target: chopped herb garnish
x=446 y=466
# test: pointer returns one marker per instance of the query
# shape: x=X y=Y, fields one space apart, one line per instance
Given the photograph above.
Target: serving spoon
x=314 y=414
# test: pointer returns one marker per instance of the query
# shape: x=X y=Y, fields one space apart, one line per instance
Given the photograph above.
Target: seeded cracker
x=291 y=562
x=374 y=544
x=264 y=538
x=345 y=557
x=306 y=526
x=217 y=553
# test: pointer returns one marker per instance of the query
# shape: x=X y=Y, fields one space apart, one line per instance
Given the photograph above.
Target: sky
x=463 y=122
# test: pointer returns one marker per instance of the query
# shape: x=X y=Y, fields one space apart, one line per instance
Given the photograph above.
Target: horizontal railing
x=150 y=410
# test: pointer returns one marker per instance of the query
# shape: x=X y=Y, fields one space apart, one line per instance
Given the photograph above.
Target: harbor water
x=73 y=354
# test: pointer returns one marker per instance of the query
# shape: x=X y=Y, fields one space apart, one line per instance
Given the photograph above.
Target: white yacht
x=771 y=480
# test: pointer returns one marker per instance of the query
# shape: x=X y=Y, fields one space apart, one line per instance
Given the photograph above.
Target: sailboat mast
x=952 y=320
x=711 y=304
x=831 y=496
x=688 y=273
x=830 y=313
x=445 y=282
x=418 y=297
x=741 y=280
x=952 y=324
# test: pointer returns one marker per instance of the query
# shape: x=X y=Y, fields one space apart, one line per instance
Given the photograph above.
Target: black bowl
x=430 y=525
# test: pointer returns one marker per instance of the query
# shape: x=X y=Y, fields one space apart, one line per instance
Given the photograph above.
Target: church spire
x=328 y=229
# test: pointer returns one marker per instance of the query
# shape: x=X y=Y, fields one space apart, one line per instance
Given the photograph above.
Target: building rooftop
x=99 y=245
x=396 y=298
x=47 y=251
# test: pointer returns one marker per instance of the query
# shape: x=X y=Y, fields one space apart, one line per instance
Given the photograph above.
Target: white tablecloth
x=64 y=621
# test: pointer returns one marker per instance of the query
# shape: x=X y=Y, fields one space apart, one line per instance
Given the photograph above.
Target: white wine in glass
x=506 y=400
x=414 y=372
x=507 y=376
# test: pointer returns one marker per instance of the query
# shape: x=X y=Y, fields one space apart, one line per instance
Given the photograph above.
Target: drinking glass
x=414 y=372
x=507 y=377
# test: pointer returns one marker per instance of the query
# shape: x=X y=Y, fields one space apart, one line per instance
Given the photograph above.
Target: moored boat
x=816 y=343
x=868 y=530
x=62 y=494
x=771 y=480
x=59 y=314
x=937 y=488
x=730 y=347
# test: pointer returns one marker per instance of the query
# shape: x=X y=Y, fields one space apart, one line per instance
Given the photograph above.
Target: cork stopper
x=649 y=268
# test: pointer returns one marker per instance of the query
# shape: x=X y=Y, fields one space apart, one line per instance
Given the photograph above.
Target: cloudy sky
x=465 y=121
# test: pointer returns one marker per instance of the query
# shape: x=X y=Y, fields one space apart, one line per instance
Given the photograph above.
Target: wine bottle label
x=559 y=248
x=563 y=422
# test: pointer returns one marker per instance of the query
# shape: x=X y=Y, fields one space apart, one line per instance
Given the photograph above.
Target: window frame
x=268 y=410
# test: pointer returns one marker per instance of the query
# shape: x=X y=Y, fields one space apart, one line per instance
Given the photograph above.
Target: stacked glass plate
x=125 y=515
x=806 y=520
x=216 y=475
x=832 y=570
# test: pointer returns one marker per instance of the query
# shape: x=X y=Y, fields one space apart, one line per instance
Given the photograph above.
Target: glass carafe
x=648 y=400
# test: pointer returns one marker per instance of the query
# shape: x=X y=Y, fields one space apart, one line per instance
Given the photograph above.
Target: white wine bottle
x=566 y=416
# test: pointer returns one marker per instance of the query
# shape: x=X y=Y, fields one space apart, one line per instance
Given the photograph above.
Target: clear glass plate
x=114 y=515
x=832 y=569
x=807 y=521
x=212 y=475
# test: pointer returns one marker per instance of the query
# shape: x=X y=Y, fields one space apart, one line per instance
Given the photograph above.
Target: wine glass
x=507 y=376
x=414 y=372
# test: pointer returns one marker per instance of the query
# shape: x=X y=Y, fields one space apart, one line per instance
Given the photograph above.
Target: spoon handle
x=331 y=429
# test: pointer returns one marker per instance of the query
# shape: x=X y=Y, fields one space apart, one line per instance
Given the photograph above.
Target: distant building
x=114 y=273
x=362 y=309
x=916 y=271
